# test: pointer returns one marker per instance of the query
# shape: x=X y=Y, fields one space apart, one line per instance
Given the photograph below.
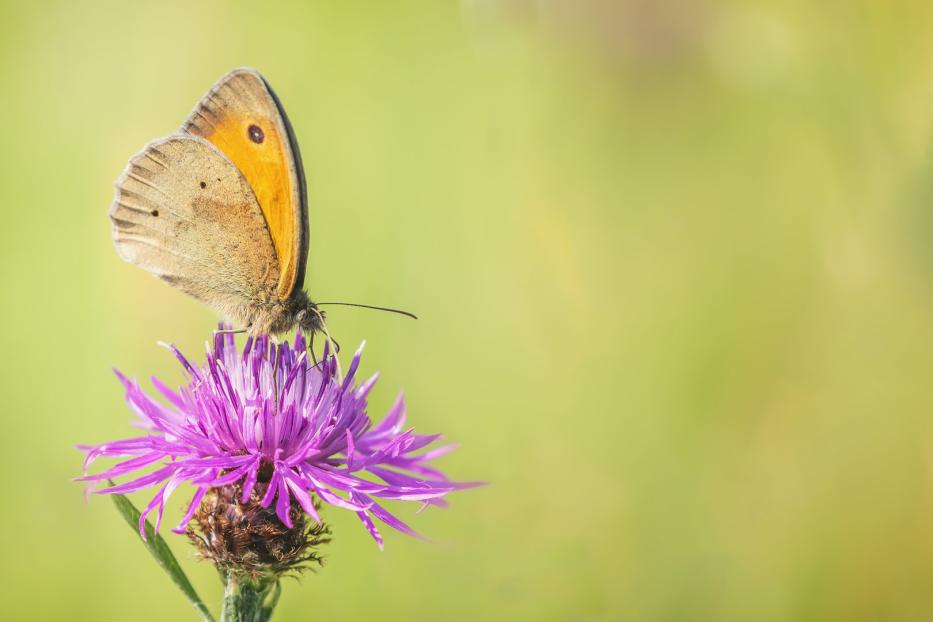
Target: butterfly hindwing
x=243 y=118
x=185 y=213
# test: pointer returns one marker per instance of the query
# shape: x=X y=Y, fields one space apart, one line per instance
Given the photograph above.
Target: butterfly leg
x=330 y=340
x=229 y=331
x=311 y=350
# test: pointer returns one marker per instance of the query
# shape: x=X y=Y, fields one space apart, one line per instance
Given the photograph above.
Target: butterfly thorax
x=283 y=316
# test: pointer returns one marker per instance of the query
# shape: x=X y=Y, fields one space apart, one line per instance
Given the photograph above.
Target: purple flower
x=267 y=419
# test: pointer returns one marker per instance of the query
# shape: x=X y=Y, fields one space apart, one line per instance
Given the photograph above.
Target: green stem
x=245 y=599
x=271 y=602
x=162 y=554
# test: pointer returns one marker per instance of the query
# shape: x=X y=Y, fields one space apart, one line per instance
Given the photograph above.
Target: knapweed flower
x=265 y=427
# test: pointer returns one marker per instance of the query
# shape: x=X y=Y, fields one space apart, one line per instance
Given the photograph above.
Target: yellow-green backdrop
x=673 y=262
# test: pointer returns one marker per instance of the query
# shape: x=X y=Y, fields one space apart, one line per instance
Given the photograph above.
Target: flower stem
x=245 y=599
x=162 y=554
x=272 y=601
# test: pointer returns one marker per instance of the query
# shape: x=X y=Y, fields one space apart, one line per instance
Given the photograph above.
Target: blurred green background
x=673 y=262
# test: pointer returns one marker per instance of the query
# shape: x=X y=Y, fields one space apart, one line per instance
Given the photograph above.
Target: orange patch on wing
x=262 y=157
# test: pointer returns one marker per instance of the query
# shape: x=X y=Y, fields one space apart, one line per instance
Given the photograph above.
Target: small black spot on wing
x=155 y=213
x=203 y=185
x=256 y=134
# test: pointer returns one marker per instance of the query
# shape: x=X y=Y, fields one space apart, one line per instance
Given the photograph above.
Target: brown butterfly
x=219 y=209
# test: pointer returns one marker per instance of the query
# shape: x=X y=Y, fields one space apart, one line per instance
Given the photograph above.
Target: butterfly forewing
x=242 y=117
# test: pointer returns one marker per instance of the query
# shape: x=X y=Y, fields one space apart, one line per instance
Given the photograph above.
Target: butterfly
x=219 y=209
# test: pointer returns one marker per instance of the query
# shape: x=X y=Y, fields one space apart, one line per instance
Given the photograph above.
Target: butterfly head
x=306 y=315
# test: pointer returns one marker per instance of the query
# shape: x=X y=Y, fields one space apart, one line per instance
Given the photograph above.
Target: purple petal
x=281 y=506
x=301 y=495
x=371 y=528
x=394 y=420
x=192 y=508
x=382 y=514
x=250 y=482
x=139 y=483
x=270 y=490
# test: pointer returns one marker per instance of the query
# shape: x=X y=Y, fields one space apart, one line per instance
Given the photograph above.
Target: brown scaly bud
x=249 y=540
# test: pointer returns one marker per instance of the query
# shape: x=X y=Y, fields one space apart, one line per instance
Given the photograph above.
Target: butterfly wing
x=243 y=117
x=185 y=213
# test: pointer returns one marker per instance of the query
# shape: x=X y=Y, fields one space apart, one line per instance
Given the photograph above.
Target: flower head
x=248 y=539
x=278 y=430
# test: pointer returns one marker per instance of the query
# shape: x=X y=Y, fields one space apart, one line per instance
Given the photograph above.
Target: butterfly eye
x=256 y=134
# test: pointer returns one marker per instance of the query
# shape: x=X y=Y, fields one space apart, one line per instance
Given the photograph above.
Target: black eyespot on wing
x=256 y=134
x=203 y=185
x=154 y=212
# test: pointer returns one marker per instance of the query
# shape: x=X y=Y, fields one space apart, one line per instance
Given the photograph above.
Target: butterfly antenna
x=353 y=304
